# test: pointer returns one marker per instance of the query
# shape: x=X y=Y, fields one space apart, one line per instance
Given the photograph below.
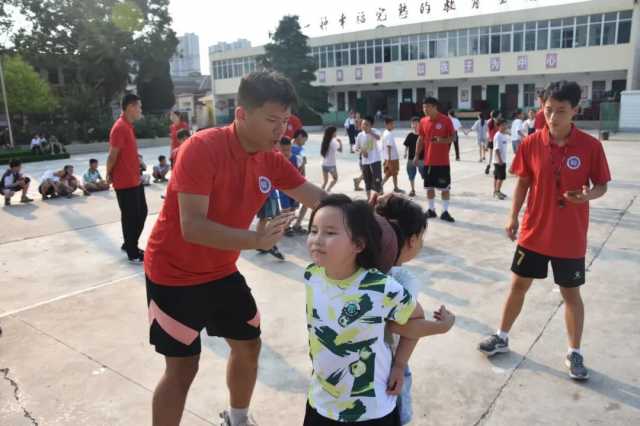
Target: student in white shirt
x=456 y=126
x=367 y=144
x=36 y=144
x=390 y=154
x=500 y=143
x=480 y=127
x=330 y=145
x=518 y=132
x=350 y=128
x=530 y=122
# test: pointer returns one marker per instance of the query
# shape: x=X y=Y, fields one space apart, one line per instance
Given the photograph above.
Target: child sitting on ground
x=160 y=170
x=349 y=306
x=93 y=179
x=13 y=181
x=145 y=178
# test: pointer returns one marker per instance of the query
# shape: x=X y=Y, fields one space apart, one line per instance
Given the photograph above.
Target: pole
x=6 y=104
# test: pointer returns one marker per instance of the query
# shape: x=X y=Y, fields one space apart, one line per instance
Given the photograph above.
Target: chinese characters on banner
x=339 y=75
x=468 y=66
x=358 y=73
x=551 y=60
x=378 y=72
x=444 y=67
x=422 y=69
x=523 y=63
x=494 y=64
x=322 y=76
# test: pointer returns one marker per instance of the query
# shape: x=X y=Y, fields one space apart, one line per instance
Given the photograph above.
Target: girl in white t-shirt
x=480 y=127
x=330 y=145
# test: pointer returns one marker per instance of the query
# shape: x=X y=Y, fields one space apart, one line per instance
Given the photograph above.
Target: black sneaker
x=575 y=363
x=262 y=251
x=138 y=260
x=446 y=216
x=412 y=194
x=276 y=253
x=431 y=214
x=494 y=345
x=399 y=191
x=7 y=201
x=486 y=170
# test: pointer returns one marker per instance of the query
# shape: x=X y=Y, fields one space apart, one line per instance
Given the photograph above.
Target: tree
x=27 y=93
x=289 y=54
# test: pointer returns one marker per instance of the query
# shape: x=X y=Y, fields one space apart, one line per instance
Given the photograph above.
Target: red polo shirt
x=173 y=132
x=212 y=162
x=293 y=126
x=547 y=228
x=492 y=129
x=540 y=121
x=126 y=172
x=436 y=154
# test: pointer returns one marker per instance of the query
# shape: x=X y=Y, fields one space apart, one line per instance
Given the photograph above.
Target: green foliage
x=289 y=54
x=32 y=158
x=26 y=91
x=152 y=126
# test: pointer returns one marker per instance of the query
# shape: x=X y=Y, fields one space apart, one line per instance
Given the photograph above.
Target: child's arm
x=421 y=327
x=339 y=144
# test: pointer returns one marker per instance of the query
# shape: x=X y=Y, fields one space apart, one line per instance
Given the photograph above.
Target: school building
x=492 y=61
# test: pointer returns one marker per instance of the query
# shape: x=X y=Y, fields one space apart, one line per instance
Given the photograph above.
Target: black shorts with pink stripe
x=177 y=315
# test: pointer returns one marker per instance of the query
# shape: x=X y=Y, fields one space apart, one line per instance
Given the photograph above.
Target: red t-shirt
x=212 y=162
x=126 y=172
x=293 y=126
x=173 y=132
x=547 y=228
x=492 y=129
x=436 y=154
x=540 y=121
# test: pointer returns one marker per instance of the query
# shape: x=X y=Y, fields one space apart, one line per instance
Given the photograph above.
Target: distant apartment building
x=186 y=61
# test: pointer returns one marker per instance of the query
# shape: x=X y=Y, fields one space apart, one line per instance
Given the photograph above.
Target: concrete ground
x=75 y=345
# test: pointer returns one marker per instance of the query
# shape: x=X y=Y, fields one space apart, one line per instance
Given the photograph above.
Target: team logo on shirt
x=264 y=184
x=573 y=162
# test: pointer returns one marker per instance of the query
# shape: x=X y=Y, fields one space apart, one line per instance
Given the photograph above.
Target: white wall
x=630 y=111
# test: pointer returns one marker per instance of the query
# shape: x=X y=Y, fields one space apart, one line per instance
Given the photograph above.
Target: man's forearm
x=519 y=195
x=597 y=191
x=111 y=162
x=211 y=234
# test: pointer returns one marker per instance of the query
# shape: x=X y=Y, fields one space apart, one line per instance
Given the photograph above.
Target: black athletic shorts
x=490 y=145
x=500 y=171
x=313 y=418
x=566 y=272
x=224 y=307
x=437 y=177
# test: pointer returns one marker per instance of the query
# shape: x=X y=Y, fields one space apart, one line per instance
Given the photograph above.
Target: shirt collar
x=571 y=139
x=124 y=120
x=237 y=151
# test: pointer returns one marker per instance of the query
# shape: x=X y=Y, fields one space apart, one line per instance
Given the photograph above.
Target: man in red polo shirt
x=293 y=126
x=221 y=178
x=435 y=137
x=123 y=169
x=562 y=169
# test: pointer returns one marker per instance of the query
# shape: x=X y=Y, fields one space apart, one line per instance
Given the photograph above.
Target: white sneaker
x=226 y=420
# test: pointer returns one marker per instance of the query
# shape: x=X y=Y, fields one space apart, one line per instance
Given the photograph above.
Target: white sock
x=445 y=205
x=432 y=204
x=576 y=350
x=502 y=334
x=238 y=416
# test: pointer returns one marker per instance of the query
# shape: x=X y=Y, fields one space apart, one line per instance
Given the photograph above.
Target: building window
x=395 y=49
x=370 y=55
x=556 y=33
x=582 y=29
x=598 y=90
x=529 y=91
x=362 y=52
x=595 y=30
x=624 y=26
x=543 y=35
x=484 y=41
x=407 y=95
x=452 y=37
x=609 y=28
x=378 y=51
x=423 y=47
x=505 y=39
x=353 y=49
x=463 y=42
x=518 y=37
x=530 y=36
x=474 y=42
x=495 y=39
x=568 y=28
x=421 y=93
x=441 y=45
x=413 y=48
x=404 y=48
x=341 y=102
x=331 y=56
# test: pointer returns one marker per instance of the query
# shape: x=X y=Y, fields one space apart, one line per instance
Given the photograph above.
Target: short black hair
x=452 y=112
x=415 y=119
x=405 y=216
x=564 y=91
x=430 y=100
x=162 y=158
x=500 y=121
x=14 y=163
x=300 y=132
x=129 y=99
x=388 y=120
x=183 y=134
x=93 y=161
x=285 y=141
x=541 y=93
x=260 y=87
x=361 y=224
x=370 y=119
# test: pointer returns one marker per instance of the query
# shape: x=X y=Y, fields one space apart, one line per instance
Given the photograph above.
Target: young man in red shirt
x=221 y=178
x=435 y=137
x=562 y=169
x=123 y=170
